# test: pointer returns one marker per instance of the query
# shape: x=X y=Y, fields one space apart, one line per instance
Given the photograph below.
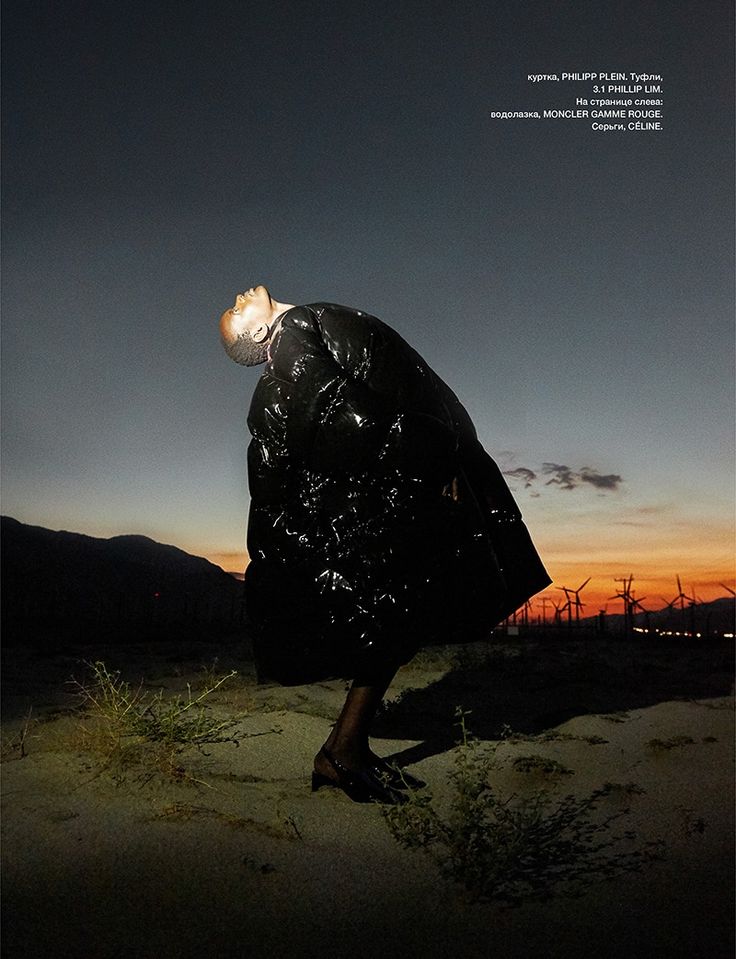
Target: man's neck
x=275 y=322
x=279 y=309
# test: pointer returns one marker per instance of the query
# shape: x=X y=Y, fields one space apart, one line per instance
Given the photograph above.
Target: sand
x=234 y=856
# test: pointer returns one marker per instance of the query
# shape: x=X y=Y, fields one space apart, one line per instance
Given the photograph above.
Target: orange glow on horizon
x=231 y=562
x=651 y=586
x=655 y=582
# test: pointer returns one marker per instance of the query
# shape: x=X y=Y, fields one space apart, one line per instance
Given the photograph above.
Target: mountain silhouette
x=76 y=583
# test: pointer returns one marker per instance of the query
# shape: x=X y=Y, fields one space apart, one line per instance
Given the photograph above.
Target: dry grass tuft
x=129 y=727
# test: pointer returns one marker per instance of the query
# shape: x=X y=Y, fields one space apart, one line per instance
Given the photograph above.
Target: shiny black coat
x=378 y=524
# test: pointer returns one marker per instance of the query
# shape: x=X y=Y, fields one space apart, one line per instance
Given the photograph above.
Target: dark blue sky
x=574 y=287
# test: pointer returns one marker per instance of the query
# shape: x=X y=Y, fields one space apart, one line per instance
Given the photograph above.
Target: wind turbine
x=570 y=603
x=524 y=612
x=559 y=610
x=544 y=600
x=681 y=596
x=578 y=604
x=694 y=603
x=625 y=595
x=638 y=602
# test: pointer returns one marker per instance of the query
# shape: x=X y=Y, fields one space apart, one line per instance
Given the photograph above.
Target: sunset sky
x=574 y=287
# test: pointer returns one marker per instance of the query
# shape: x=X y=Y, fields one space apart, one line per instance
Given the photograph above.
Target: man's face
x=249 y=312
x=249 y=318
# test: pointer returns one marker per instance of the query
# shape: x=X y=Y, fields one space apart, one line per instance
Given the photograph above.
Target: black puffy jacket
x=378 y=524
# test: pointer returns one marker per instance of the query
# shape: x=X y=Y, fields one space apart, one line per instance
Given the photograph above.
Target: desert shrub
x=512 y=848
x=118 y=716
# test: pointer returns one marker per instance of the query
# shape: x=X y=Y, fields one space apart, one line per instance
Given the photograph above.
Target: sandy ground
x=234 y=856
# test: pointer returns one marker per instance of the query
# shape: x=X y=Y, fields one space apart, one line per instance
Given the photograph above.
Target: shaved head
x=245 y=329
x=244 y=350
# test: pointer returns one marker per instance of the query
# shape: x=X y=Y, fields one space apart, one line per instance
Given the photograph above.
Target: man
x=378 y=524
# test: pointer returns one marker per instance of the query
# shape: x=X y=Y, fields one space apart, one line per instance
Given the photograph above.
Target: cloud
x=562 y=476
x=600 y=480
x=565 y=477
x=522 y=473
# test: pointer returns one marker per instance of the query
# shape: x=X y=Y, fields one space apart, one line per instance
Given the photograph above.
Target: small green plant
x=512 y=848
x=126 y=712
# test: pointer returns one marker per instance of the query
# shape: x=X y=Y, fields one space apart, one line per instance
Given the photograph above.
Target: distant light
x=156 y=595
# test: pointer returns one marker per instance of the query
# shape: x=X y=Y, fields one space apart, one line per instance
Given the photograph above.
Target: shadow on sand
x=533 y=686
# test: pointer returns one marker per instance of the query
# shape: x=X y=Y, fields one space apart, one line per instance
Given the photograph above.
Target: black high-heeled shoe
x=395 y=776
x=361 y=785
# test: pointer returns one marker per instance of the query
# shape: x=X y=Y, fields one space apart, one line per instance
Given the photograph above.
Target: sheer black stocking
x=349 y=740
